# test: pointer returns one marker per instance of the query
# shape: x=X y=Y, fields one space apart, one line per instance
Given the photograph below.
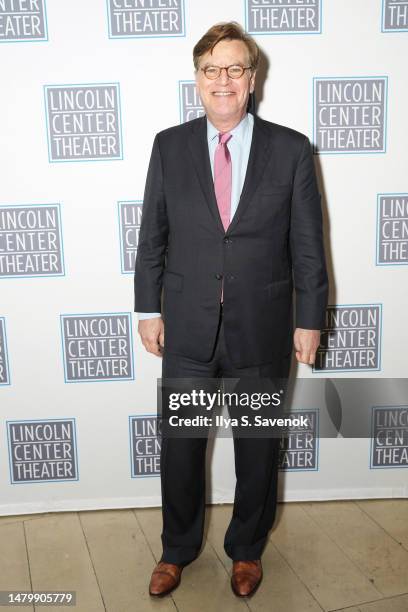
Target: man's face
x=225 y=99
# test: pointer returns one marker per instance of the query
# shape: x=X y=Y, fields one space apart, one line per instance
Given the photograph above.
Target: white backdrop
x=76 y=411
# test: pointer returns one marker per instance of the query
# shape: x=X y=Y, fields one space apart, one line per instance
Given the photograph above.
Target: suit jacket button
x=218 y=276
x=227 y=240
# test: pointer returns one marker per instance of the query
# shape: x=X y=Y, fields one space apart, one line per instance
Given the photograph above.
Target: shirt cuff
x=148 y=315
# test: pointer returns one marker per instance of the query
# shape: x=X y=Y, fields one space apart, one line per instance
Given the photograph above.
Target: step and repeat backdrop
x=86 y=84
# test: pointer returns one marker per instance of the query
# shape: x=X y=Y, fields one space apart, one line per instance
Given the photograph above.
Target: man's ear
x=252 y=82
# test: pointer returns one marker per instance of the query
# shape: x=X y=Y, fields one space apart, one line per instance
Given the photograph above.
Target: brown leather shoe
x=165 y=578
x=246 y=577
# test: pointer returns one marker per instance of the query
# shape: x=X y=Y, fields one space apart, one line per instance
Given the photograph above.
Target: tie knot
x=224 y=138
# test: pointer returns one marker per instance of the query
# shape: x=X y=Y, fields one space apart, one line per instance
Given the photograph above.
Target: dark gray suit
x=276 y=229
x=274 y=242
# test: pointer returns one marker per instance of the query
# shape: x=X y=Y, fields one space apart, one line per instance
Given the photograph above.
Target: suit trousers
x=183 y=473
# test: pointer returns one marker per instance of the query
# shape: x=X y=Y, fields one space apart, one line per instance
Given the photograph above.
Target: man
x=231 y=210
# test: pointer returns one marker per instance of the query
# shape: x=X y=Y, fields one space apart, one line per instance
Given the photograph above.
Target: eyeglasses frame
x=226 y=68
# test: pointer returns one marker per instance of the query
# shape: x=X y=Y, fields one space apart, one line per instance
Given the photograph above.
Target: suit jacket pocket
x=277 y=289
x=172 y=281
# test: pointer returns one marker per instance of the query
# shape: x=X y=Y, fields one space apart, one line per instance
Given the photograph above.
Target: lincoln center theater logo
x=145 y=18
x=31 y=241
x=83 y=122
x=97 y=347
x=350 y=114
x=4 y=369
x=130 y=218
x=392 y=229
x=389 y=442
x=144 y=445
x=351 y=339
x=190 y=103
x=298 y=446
x=42 y=451
x=395 y=16
x=22 y=20
x=288 y=17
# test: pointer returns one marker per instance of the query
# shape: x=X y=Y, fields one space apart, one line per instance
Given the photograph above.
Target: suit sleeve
x=153 y=237
x=306 y=244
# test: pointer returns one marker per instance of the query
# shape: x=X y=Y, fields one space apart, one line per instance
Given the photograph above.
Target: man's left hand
x=306 y=342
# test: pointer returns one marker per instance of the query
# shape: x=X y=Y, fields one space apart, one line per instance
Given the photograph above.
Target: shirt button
x=218 y=276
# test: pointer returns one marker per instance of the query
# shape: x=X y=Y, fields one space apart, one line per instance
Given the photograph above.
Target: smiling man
x=231 y=223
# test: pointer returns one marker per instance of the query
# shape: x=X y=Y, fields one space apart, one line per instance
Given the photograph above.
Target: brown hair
x=226 y=31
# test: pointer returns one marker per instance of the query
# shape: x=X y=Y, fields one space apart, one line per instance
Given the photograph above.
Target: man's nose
x=223 y=79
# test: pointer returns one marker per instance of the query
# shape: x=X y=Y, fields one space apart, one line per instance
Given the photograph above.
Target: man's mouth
x=223 y=93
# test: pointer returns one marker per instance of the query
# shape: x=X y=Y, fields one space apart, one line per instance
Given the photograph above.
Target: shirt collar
x=238 y=132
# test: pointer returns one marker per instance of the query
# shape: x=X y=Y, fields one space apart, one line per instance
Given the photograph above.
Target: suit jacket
x=274 y=242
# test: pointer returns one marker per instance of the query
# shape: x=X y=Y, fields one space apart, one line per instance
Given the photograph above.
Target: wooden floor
x=346 y=555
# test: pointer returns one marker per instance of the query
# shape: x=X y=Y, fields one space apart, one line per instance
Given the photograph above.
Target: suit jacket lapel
x=258 y=157
x=198 y=145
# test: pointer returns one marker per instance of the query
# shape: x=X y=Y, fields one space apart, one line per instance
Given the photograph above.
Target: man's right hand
x=152 y=335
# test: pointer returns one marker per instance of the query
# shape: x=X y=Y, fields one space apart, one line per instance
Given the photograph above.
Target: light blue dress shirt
x=239 y=146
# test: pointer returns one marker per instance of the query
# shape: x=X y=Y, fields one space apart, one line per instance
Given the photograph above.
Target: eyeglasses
x=234 y=72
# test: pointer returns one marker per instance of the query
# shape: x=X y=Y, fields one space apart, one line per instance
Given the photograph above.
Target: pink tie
x=223 y=178
x=222 y=183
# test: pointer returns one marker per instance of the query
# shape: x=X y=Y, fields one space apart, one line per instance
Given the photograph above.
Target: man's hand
x=152 y=334
x=306 y=342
